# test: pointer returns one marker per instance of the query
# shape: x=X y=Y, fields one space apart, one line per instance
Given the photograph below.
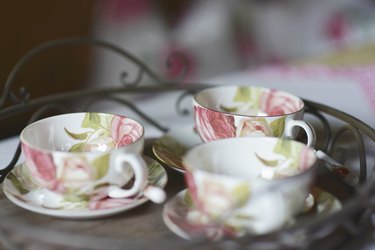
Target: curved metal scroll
x=143 y=68
x=327 y=128
x=36 y=116
x=181 y=110
x=23 y=103
x=360 y=148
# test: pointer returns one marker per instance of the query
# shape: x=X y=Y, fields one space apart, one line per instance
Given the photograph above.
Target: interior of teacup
x=82 y=132
x=249 y=100
x=251 y=158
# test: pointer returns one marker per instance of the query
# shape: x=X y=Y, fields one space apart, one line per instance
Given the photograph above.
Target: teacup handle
x=140 y=175
x=309 y=130
x=139 y=167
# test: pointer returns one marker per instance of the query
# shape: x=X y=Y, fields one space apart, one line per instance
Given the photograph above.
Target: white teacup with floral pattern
x=88 y=156
x=250 y=184
x=241 y=111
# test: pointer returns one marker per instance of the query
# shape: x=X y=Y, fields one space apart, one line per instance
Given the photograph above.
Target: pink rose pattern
x=305 y=159
x=213 y=125
x=189 y=179
x=43 y=169
x=41 y=166
x=105 y=132
x=76 y=172
x=276 y=103
x=125 y=131
x=217 y=195
x=253 y=127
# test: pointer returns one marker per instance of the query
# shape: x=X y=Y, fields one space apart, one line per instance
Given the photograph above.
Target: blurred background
x=216 y=36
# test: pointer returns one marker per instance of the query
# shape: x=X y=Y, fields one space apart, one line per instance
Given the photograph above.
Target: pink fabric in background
x=224 y=36
x=349 y=89
x=363 y=77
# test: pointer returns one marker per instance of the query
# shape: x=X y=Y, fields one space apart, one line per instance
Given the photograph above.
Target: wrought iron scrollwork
x=124 y=75
x=23 y=95
x=327 y=136
x=359 y=146
x=179 y=108
x=36 y=116
x=22 y=101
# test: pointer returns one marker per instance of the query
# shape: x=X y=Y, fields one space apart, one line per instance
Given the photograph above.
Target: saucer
x=171 y=146
x=20 y=189
x=184 y=220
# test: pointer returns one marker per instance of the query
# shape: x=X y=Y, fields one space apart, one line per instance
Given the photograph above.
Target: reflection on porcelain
x=85 y=155
x=241 y=111
x=184 y=219
x=254 y=184
x=21 y=188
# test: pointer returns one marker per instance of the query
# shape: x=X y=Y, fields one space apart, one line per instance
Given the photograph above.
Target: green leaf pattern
x=228 y=109
x=81 y=136
x=99 y=129
x=101 y=165
x=288 y=162
x=99 y=125
x=277 y=126
x=17 y=184
x=242 y=95
x=248 y=95
x=78 y=147
x=92 y=120
x=241 y=194
x=268 y=163
x=246 y=100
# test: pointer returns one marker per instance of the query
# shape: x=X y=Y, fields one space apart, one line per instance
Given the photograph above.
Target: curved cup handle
x=154 y=193
x=309 y=130
x=140 y=175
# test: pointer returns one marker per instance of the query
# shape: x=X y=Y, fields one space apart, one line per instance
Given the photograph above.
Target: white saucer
x=20 y=189
x=184 y=220
x=171 y=146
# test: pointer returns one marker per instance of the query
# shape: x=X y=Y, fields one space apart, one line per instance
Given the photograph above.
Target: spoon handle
x=345 y=174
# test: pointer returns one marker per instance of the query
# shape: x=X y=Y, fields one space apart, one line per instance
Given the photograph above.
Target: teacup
x=241 y=111
x=250 y=184
x=85 y=156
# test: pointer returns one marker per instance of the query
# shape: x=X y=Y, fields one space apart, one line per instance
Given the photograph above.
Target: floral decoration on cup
x=241 y=111
x=86 y=155
x=21 y=184
x=252 y=184
x=105 y=132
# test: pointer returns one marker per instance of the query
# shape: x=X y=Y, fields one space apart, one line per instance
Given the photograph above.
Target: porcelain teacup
x=241 y=111
x=85 y=156
x=250 y=184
